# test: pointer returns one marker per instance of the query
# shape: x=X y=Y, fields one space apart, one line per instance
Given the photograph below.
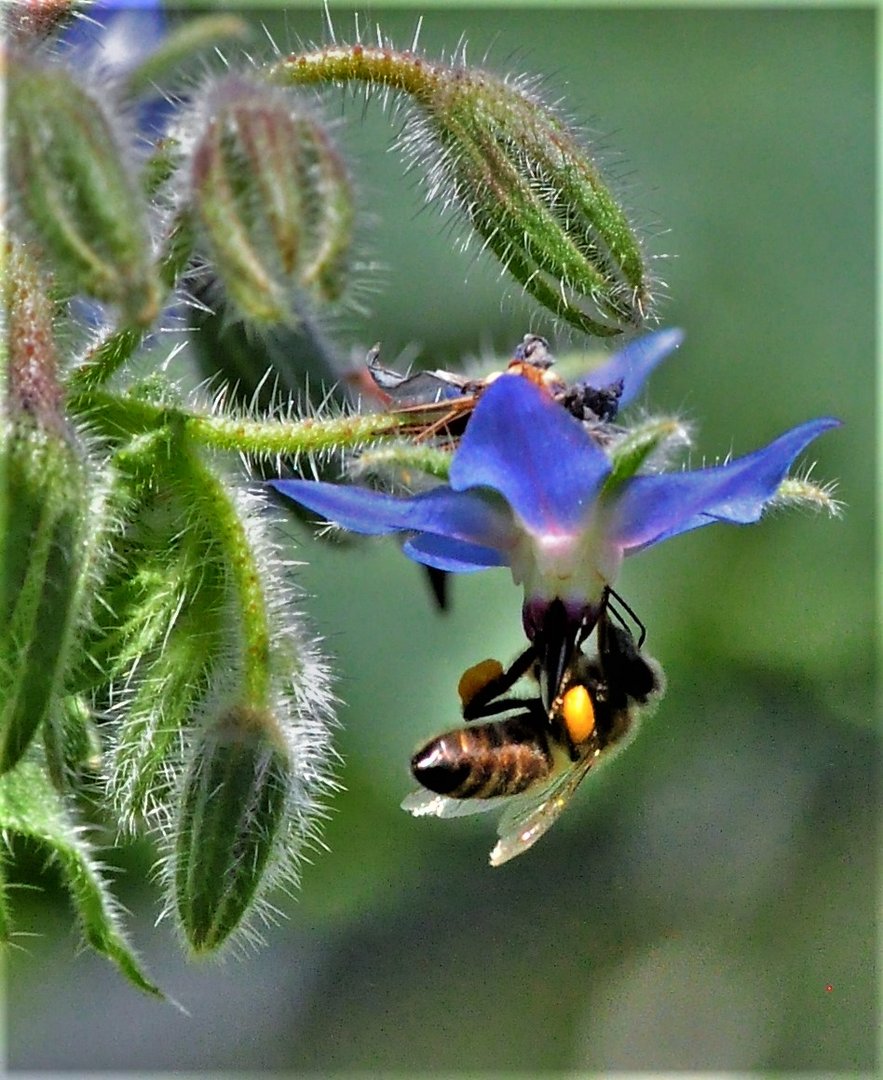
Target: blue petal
x=116 y=35
x=634 y=363
x=521 y=443
x=654 y=508
x=453 y=555
x=114 y=38
x=465 y=516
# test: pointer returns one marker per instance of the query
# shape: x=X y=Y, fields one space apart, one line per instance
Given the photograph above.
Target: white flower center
x=574 y=566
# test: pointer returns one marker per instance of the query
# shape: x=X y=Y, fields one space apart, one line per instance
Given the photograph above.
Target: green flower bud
x=527 y=186
x=273 y=198
x=73 y=192
x=232 y=811
x=45 y=508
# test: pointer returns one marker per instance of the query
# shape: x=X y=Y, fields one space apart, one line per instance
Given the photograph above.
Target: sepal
x=31 y=809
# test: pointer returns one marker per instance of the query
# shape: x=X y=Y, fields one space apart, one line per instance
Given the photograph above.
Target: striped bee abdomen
x=504 y=757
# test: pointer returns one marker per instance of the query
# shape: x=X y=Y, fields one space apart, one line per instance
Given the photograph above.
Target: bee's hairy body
x=483 y=761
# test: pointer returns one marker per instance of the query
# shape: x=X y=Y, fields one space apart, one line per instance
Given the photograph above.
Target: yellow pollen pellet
x=477 y=677
x=578 y=714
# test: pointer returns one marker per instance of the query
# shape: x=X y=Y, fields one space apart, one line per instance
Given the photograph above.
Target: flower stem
x=218 y=511
x=403 y=71
x=119 y=416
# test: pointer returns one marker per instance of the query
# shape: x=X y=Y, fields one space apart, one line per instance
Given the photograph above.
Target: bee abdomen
x=483 y=761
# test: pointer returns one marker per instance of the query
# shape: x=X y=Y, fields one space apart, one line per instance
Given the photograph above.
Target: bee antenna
x=619 y=617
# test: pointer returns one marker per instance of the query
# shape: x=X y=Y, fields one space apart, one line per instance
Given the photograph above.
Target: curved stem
x=218 y=510
x=405 y=71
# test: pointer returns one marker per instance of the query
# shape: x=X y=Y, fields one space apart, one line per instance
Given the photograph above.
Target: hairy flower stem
x=118 y=416
x=219 y=514
x=403 y=71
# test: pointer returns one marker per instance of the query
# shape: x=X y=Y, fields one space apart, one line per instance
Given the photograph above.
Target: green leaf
x=30 y=807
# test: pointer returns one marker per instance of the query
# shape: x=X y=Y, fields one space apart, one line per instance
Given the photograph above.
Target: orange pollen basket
x=476 y=678
x=578 y=714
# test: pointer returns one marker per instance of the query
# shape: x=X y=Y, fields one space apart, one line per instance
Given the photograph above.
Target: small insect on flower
x=439 y=403
x=530 y=764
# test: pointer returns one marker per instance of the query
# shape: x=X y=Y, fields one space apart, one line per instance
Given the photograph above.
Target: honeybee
x=530 y=764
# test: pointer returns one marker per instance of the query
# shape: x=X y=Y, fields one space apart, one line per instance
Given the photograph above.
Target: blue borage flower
x=531 y=489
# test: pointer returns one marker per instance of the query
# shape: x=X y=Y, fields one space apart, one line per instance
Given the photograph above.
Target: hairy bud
x=73 y=192
x=44 y=514
x=520 y=176
x=231 y=813
x=273 y=199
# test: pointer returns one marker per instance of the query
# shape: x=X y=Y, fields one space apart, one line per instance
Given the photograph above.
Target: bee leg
x=484 y=701
x=501 y=705
x=625 y=669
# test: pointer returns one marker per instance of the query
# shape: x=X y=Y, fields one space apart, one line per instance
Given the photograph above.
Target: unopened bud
x=44 y=514
x=74 y=193
x=273 y=198
x=231 y=814
x=493 y=148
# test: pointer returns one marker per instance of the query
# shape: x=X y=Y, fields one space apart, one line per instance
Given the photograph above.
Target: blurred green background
x=709 y=901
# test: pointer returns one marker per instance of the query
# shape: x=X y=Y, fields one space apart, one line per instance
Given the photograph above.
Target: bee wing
x=423 y=803
x=522 y=824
